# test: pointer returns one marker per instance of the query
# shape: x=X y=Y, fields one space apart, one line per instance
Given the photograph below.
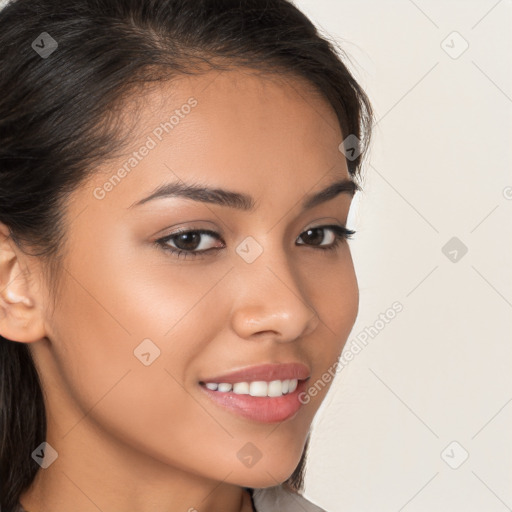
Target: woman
x=175 y=182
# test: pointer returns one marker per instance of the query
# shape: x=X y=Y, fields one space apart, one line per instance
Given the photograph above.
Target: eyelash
x=341 y=233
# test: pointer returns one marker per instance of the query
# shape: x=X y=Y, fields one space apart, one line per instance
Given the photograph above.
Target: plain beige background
x=440 y=167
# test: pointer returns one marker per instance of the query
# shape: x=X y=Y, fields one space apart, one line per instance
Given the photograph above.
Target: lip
x=265 y=372
x=259 y=408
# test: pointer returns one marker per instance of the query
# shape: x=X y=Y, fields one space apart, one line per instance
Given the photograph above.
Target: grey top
x=272 y=499
x=279 y=499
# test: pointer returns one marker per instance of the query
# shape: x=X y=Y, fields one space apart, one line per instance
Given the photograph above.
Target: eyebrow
x=240 y=200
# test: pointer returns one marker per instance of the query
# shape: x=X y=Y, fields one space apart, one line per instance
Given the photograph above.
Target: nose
x=270 y=300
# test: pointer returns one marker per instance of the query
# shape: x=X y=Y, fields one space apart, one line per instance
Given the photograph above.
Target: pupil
x=318 y=231
x=191 y=240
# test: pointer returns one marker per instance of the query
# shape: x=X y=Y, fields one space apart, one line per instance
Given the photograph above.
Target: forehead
x=241 y=128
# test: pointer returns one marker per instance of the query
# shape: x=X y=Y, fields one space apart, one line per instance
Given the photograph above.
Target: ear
x=20 y=312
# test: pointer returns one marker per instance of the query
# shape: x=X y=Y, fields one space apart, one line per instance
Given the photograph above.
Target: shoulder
x=279 y=499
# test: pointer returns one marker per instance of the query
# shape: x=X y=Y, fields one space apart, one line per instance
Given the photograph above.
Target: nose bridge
x=270 y=295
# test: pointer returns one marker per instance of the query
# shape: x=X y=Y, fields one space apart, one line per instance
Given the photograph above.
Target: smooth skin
x=136 y=438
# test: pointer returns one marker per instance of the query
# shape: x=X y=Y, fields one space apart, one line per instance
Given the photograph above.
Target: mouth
x=260 y=401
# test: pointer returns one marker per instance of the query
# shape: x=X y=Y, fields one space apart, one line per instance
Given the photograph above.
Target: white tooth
x=241 y=388
x=274 y=388
x=258 y=388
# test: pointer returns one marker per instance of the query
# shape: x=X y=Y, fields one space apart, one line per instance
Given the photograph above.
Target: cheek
x=335 y=295
x=334 y=292
x=95 y=335
x=105 y=331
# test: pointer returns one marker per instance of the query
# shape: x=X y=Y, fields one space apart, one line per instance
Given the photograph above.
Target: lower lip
x=260 y=408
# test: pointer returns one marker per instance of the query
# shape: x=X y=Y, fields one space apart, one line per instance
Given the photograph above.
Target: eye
x=317 y=234
x=189 y=242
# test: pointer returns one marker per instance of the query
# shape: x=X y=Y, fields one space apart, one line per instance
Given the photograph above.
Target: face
x=138 y=326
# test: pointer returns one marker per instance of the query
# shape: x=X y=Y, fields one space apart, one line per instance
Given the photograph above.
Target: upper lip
x=263 y=372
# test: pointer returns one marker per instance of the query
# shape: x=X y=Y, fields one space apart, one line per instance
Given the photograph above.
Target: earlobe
x=20 y=319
